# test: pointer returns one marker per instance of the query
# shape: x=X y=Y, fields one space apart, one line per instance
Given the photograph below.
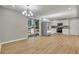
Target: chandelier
x=27 y=12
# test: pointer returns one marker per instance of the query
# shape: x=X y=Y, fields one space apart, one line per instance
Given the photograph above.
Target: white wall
x=12 y=25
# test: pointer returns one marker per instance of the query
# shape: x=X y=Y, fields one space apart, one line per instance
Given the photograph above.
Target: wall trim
x=0 y=48
x=13 y=41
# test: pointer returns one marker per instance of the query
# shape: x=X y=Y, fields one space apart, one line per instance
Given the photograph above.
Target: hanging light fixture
x=27 y=12
x=23 y=12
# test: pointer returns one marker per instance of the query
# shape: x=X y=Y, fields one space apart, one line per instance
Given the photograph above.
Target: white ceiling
x=47 y=11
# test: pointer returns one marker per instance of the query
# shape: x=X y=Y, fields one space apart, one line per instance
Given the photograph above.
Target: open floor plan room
x=39 y=29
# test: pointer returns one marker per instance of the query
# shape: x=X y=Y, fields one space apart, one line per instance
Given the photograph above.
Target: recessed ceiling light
x=69 y=8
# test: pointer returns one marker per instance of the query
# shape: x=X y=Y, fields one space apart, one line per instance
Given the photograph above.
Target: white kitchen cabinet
x=74 y=27
x=66 y=31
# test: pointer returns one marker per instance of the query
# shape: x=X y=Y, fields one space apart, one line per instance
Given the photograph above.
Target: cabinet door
x=65 y=31
x=74 y=27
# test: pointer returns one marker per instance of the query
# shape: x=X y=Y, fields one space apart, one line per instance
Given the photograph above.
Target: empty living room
x=39 y=29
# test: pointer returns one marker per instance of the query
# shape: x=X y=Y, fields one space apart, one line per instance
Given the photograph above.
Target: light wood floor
x=56 y=43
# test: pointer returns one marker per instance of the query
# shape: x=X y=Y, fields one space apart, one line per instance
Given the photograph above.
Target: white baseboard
x=13 y=41
x=0 y=48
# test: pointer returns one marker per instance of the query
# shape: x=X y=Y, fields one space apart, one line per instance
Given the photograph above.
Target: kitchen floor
x=56 y=43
